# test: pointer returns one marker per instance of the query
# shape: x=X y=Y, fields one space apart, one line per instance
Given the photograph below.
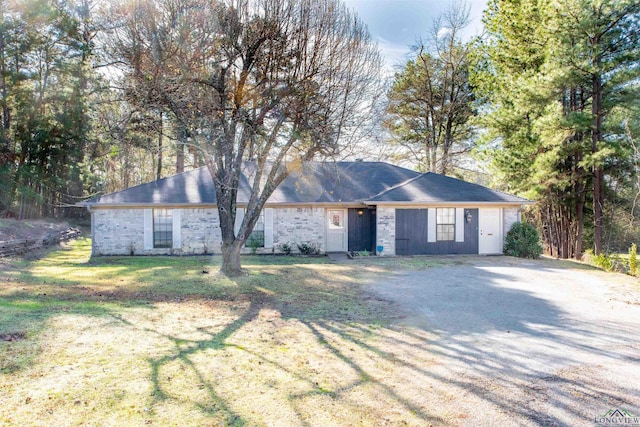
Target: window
x=445 y=224
x=336 y=219
x=162 y=228
x=257 y=235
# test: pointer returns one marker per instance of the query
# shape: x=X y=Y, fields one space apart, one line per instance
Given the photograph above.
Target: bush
x=286 y=248
x=601 y=260
x=523 y=241
x=308 y=248
x=254 y=243
x=633 y=263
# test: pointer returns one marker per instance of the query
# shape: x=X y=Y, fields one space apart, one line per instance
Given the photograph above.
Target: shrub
x=308 y=248
x=633 y=263
x=286 y=248
x=601 y=260
x=254 y=243
x=523 y=241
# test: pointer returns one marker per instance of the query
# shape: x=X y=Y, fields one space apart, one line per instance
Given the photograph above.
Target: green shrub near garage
x=523 y=241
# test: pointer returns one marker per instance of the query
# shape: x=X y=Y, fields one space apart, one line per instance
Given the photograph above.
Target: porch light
x=360 y=212
x=468 y=217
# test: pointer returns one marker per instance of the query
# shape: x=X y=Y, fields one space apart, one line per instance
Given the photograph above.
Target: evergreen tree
x=549 y=96
x=431 y=101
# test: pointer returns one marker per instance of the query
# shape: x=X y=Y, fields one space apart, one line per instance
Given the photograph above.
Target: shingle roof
x=195 y=187
x=434 y=188
x=342 y=182
x=330 y=182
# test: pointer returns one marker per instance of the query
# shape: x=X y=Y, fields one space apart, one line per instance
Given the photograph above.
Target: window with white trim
x=257 y=234
x=445 y=224
x=162 y=228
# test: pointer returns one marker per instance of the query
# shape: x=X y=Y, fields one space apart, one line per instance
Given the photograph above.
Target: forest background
x=544 y=104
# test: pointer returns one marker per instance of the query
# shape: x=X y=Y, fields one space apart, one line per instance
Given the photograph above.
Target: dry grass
x=167 y=341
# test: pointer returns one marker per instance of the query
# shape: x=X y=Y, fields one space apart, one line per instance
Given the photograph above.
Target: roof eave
x=446 y=203
x=359 y=203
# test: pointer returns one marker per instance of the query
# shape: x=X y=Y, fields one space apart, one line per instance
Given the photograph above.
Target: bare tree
x=281 y=81
x=430 y=102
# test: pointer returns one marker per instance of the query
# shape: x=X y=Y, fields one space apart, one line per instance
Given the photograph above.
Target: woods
x=562 y=81
x=97 y=97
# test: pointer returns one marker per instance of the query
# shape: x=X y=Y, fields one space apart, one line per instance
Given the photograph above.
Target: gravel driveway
x=524 y=342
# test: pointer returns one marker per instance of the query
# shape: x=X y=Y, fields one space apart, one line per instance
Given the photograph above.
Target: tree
x=600 y=43
x=431 y=100
x=542 y=114
x=282 y=80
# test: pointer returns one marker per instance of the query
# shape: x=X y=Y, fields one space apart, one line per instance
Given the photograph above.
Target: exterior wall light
x=360 y=212
x=468 y=217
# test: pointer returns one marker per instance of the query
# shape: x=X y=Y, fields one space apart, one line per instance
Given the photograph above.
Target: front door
x=490 y=239
x=336 y=230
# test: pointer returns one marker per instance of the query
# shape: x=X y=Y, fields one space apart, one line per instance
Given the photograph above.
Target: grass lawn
x=167 y=341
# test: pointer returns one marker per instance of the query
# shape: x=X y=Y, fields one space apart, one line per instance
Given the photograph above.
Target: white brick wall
x=121 y=231
x=118 y=231
x=201 y=231
x=297 y=225
x=386 y=230
x=509 y=217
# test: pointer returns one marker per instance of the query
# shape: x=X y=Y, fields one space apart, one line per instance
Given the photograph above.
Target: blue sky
x=397 y=24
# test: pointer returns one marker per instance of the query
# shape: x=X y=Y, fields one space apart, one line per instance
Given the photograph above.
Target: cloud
x=395 y=54
x=443 y=32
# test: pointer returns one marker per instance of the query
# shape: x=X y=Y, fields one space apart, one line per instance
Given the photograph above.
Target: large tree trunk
x=579 y=230
x=182 y=135
x=4 y=126
x=179 y=157
x=598 y=170
x=231 y=259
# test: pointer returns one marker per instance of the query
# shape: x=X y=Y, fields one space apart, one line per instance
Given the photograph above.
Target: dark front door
x=411 y=231
x=470 y=232
x=362 y=229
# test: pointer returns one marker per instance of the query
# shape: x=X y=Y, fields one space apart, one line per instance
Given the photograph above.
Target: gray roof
x=434 y=188
x=339 y=182
x=193 y=187
x=330 y=182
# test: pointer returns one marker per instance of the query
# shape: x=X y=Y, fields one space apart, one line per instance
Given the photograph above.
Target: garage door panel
x=411 y=231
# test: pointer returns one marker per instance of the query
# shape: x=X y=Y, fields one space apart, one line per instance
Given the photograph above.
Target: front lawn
x=167 y=341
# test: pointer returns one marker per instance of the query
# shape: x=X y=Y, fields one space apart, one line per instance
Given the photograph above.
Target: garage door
x=411 y=231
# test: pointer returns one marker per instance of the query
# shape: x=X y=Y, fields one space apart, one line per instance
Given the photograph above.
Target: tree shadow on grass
x=182 y=353
x=329 y=345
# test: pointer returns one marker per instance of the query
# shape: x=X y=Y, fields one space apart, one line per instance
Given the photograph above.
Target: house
x=338 y=206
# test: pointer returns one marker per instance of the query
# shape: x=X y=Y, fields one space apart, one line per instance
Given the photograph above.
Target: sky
x=398 y=24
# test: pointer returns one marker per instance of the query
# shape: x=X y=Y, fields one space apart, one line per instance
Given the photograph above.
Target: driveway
x=523 y=342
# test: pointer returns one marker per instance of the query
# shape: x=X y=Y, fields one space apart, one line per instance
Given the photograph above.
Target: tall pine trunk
x=598 y=169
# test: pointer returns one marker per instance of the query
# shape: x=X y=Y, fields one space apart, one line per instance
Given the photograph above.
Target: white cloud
x=394 y=54
x=443 y=32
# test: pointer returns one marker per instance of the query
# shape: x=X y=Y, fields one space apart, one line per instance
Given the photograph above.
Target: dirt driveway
x=523 y=342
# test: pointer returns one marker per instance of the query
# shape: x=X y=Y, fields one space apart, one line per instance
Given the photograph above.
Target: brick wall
x=297 y=225
x=118 y=231
x=386 y=230
x=509 y=216
x=121 y=231
x=201 y=231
